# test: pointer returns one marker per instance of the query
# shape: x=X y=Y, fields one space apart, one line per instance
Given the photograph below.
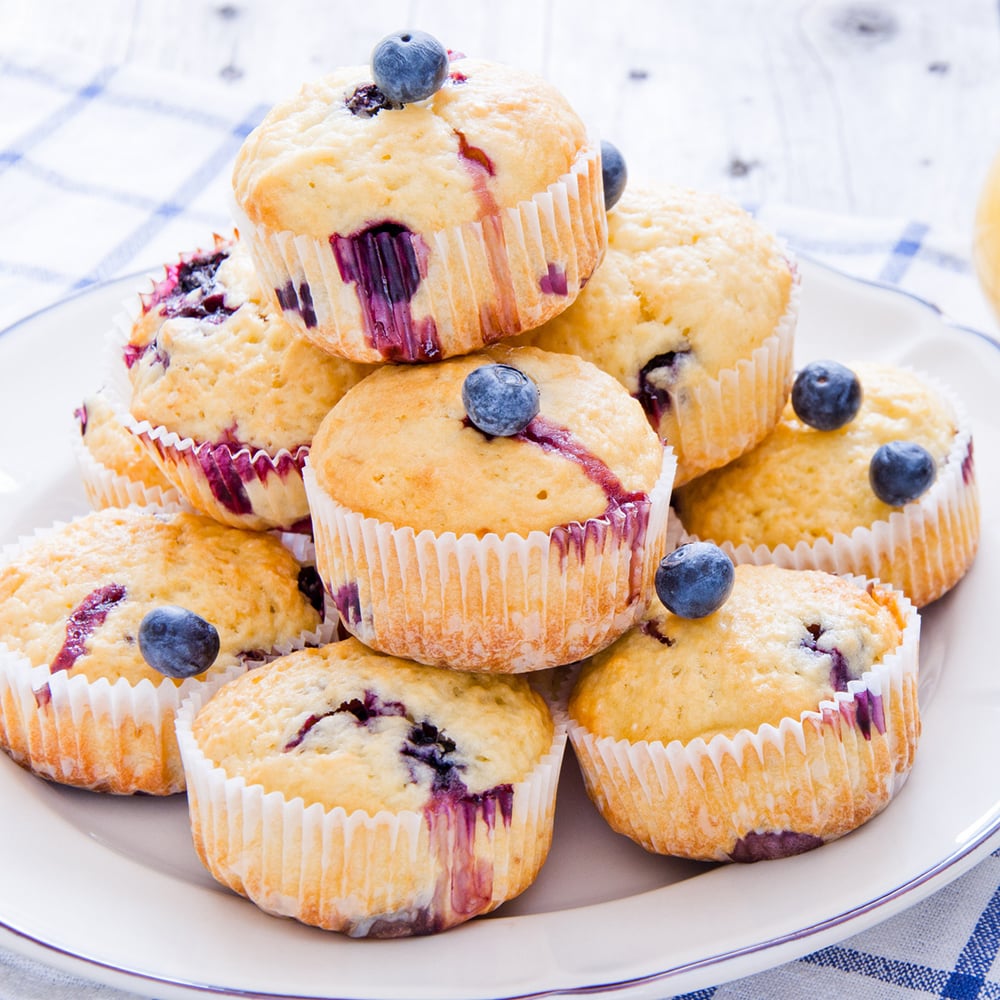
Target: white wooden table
x=866 y=109
x=871 y=107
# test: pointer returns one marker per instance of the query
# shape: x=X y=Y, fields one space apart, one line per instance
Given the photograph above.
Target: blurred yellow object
x=986 y=240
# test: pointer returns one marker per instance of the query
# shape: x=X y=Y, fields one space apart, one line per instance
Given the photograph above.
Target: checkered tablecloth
x=106 y=171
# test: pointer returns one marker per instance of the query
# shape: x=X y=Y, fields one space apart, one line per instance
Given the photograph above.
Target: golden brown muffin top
x=398 y=447
x=346 y=726
x=784 y=641
x=75 y=597
x=491 y=137
x=801 y=484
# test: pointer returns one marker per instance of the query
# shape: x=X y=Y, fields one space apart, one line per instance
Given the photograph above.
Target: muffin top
x=801 y=484
x=690 y=285
x=211 y=358
x=73 y=599
x=399 y=447
x=112 y=445
x=491 y=137
x=784 y=641
x=346 y=726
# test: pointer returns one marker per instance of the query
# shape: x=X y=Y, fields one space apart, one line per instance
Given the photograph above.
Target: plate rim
x=878 y=908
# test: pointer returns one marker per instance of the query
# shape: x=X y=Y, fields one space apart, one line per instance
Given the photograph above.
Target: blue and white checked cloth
x=106 y=171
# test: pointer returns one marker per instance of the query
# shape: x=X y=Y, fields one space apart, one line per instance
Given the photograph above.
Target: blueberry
x=900 y=472
x=615 y=173
x=695 y=579
x=409 y=66
x=499 y=399
x=177 y=642
x=826 y=395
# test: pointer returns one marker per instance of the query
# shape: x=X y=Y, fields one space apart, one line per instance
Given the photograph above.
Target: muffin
x=783 y=720
x=222 y=392
x=693 y=310
x=115 y=468
x=420 y=231
x=79 y=703
x=370 y=795
x=803 y=497
x=986 y=236
x=455 y=547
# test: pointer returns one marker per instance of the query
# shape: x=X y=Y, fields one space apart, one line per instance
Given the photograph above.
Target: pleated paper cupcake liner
x=923 y=549
x=770 y=792
x=718 y=421
x=504 y=605
x=104 y=487
x=239 y=486
x=388 y=294
x=110 y=735
x=380 y=874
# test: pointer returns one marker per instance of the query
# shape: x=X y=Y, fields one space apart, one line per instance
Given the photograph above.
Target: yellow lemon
x=986 y=240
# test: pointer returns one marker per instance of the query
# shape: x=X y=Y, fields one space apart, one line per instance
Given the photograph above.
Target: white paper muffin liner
x=923 y=549
x=107 y=735
x=104 y=487
x=768 y=792
x=380 y=874
x=479 y=281
x=492 y=604
x=244 y=488
x=717 y=421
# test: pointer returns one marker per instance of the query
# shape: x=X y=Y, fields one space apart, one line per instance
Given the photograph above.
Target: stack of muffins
x=286 y=447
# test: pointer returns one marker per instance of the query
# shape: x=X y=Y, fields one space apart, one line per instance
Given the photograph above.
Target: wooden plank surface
x=888 y=107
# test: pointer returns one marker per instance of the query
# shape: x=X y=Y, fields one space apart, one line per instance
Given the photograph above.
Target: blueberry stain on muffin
x=297 y=300
x=553 y=282
x=228 y=465
x=968 y=466
x=551 y=437
x=367 y=101
x=364 y=709
x=769 y=845
x=429 y=746
x=386 y=263
x=191 y=290
x=311 y=587
x=840 y=671
x=347 y=601
x=84 y=619
x=656 y=380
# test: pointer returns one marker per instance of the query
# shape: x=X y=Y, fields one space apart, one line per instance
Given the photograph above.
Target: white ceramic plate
x=111 y=889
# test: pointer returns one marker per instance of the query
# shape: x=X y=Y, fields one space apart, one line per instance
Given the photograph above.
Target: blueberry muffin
x=502 y=550
x=418 y=231
x=784 y=719
x=693 y=310
x=370 y=795
x=80 y=703
x=804 y=498
x=222 y=392
x=115 y=468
